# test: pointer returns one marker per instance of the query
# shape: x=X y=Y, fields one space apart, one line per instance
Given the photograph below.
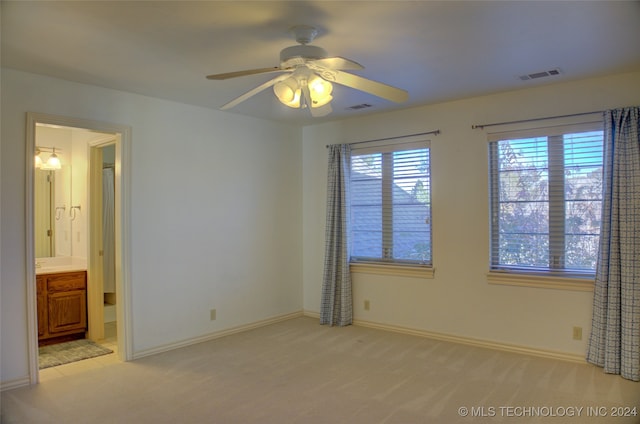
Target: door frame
x=95 y=264
x=123 y=223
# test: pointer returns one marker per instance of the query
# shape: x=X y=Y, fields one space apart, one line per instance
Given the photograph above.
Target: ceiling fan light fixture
x=288 y=92
x=312 y=72
x=320 y=91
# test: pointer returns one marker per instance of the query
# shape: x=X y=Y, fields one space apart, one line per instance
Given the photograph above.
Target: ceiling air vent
x=360 y=106
x=542 y=74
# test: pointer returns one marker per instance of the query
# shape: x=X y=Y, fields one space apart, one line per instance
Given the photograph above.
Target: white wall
x=228 y=213
x=215 y=220
x=458 y=301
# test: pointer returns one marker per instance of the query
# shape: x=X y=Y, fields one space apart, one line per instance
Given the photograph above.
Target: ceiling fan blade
x=254 y=91
x=318 y=112
x=242 y=73
x=338 y=63
x=363 y=84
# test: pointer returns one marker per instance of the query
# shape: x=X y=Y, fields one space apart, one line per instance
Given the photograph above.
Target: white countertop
x=60 y=264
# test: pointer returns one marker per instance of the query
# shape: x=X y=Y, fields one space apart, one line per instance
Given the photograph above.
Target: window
x=546 y=198
x=391 y=204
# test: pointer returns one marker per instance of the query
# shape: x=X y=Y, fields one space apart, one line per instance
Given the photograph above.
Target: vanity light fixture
x=38 y=158
x=52 y=163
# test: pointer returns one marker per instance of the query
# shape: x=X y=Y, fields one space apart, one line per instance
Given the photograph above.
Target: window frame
x=554 y=276
x=397 y=267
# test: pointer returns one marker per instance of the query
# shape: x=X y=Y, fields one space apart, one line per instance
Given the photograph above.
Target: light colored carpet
x=300 y=372
x=68 y=352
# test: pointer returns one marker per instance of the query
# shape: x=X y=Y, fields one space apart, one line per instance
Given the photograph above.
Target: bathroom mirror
x=52 y=195
x=44 y=215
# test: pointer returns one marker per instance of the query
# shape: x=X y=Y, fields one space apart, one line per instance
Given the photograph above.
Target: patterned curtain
x=615 y=336
x=337 y=304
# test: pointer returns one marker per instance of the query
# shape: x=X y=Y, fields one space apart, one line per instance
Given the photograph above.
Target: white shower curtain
x=108 y=230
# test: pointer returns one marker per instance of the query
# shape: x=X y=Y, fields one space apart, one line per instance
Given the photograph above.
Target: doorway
x=91 y=144
x=102 y=249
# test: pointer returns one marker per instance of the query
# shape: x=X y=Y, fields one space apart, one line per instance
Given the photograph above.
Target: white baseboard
x=526 y=350
x=216 y=335
x=311 y=314
x=14 y=384
x=505 y=347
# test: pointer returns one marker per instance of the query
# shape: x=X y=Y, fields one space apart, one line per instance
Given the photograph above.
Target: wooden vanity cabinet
x=41 y=290
x=62 y=305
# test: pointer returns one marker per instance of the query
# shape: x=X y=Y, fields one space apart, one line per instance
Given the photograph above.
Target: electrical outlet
x=367 y=305
x=577 y=333
x=213 y=315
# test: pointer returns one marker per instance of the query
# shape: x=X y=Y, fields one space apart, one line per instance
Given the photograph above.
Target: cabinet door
x=41 y=290
x=67 y=311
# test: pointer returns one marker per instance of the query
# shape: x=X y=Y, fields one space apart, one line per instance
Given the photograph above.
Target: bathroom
x=63 y=231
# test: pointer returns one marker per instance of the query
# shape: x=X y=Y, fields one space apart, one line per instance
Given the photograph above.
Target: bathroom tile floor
x=110 y=342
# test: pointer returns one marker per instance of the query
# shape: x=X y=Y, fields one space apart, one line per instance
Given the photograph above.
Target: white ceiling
x=437 y=51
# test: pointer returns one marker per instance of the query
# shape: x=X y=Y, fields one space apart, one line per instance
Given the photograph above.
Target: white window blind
x=391 y=204
x=546 y=199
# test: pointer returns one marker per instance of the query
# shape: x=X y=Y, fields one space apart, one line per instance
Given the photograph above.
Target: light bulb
x=38 y=159
x=288 y=92
x=320 y=86
x=320 y=91
x=54 y=162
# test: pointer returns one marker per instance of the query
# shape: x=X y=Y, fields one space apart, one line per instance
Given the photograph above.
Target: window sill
x=540 y=281
x=392 y=269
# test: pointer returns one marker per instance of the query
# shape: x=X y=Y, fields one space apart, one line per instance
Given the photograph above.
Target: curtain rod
x=534 y=119
x=434 y=132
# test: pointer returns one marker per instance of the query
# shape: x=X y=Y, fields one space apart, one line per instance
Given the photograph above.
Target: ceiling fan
x=306 y=74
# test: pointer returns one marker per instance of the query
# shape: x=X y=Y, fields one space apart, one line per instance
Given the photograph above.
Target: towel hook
x=60 y=209
x=72 y=211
